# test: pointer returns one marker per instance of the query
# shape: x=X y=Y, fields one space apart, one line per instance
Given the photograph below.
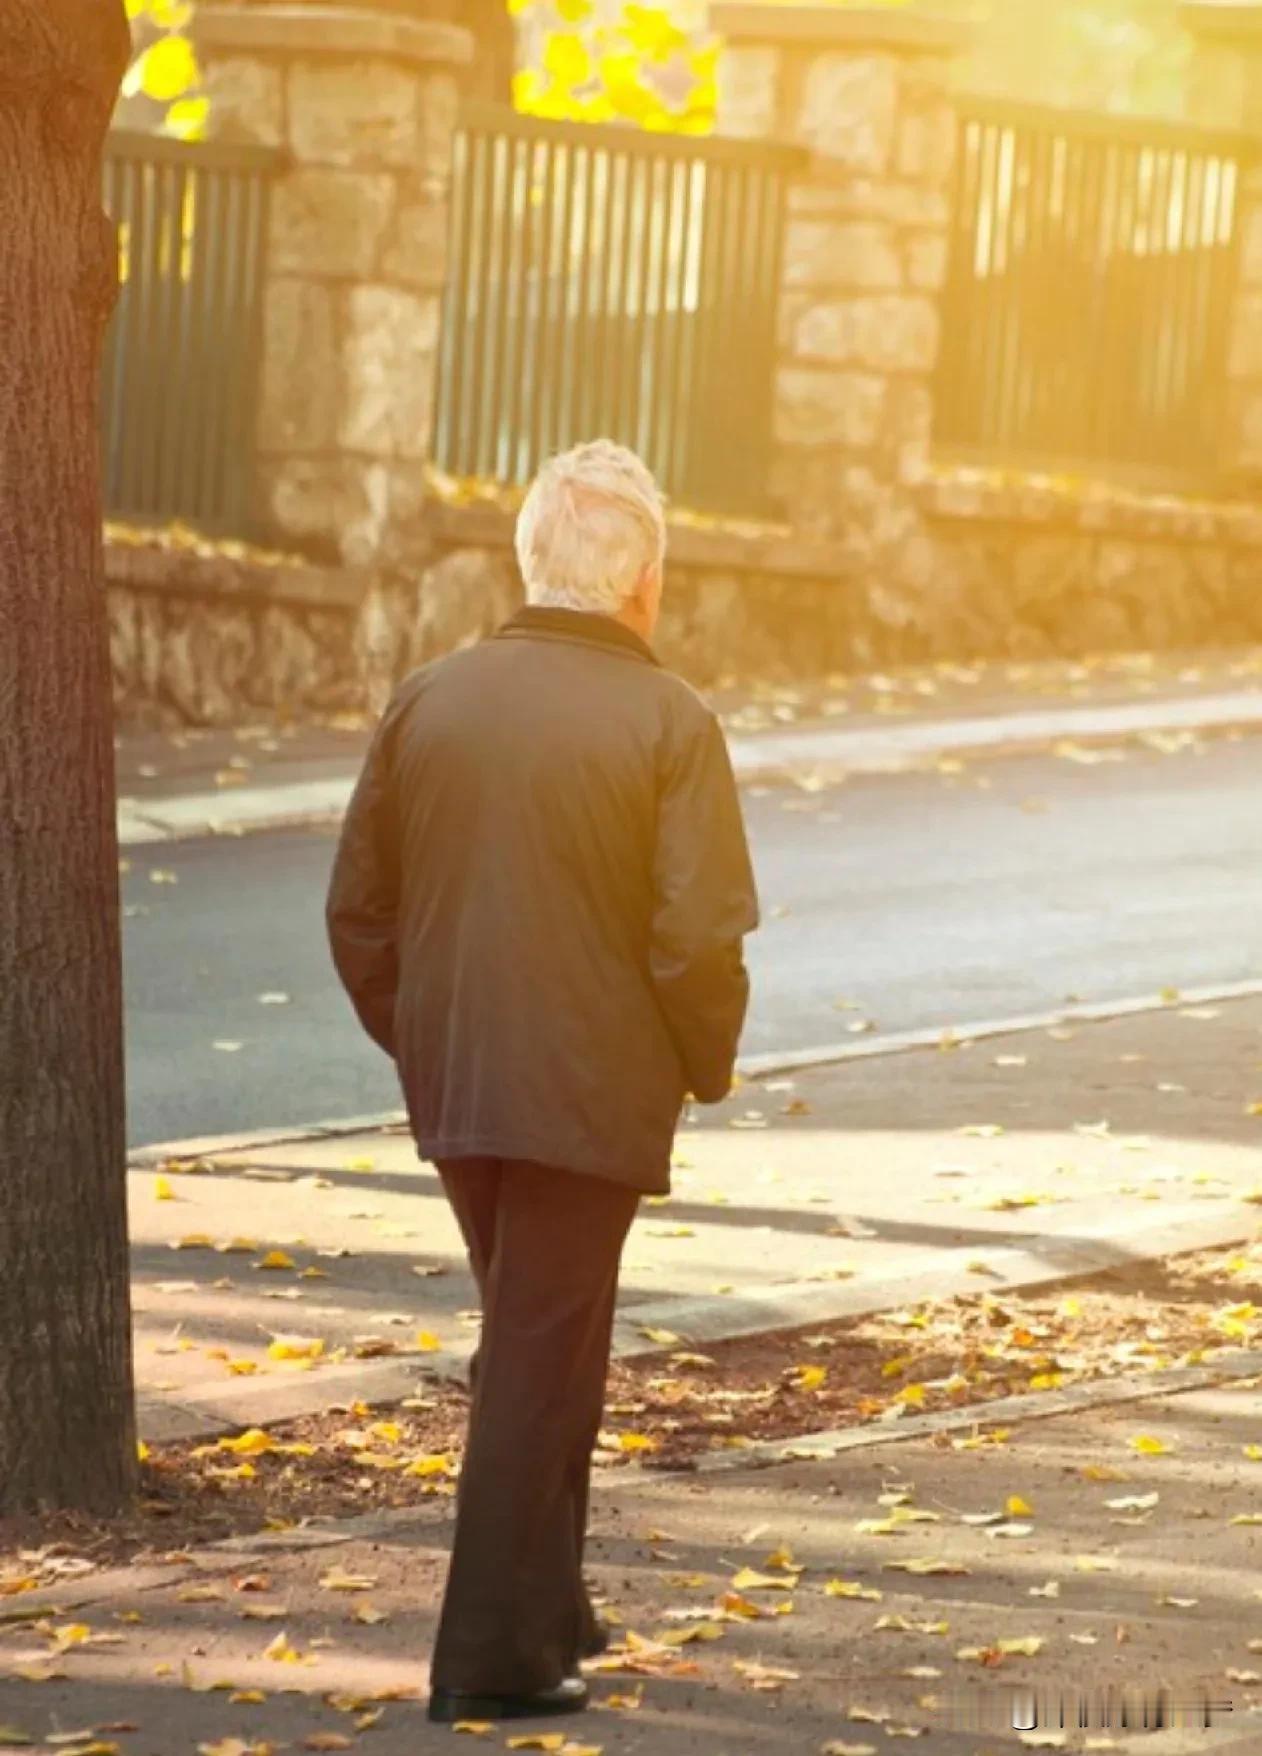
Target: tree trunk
x=67 y=1424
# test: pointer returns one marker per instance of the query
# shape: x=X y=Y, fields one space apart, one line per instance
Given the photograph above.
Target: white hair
x=589 y=527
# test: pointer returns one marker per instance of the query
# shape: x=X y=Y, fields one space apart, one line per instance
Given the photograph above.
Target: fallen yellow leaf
x=637 y=1442
x=281 y=1652
x=749 y=1580
x=295 y=1347
x=336 y=1580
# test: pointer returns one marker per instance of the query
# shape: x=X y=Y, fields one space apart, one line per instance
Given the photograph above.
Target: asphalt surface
x=925 y=900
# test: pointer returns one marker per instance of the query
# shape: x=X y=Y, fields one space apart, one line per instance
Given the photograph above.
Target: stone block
x=247 y=101
x=749 y=79
x=926 y=144
x=389 y=363
x=327 y=222
x=300 y=370
x=926 y=255
x=889 y=333
x=828 y=408
x=1046 y=570
x=849 y=109
x=898 y=203
x=841 y=253
x=465 y=595
x=439 y=114
x=416 y=247
x=333 y=507
x=909 y=426
x=354 y=113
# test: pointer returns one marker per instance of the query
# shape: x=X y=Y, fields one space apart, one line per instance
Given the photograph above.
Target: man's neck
x=632 y=617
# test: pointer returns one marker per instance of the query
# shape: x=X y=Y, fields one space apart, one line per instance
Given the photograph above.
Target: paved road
x=927 y=900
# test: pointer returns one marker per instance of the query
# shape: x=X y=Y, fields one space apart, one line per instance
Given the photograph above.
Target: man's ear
x=644 y=587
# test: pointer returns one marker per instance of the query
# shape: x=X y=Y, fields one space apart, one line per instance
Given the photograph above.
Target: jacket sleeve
x=363 y=900
x=705 y=902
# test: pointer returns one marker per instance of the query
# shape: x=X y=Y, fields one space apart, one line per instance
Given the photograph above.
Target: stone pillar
x=865 y=91
x=363 y=105
x=1226 y=93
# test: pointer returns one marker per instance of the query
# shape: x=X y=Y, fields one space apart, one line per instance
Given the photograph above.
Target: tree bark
x=67 y=1424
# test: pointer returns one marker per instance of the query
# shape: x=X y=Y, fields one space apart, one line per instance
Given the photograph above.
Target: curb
x=962 y=1036
x=779 y=757
x=761 y=1066
x=1233 y=1365
x=836 y=754
x=144 y=1158
x=1039 y=1405
x=231 y=1406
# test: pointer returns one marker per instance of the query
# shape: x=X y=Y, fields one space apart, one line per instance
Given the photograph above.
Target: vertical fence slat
x=678 y=410
x=670 y=309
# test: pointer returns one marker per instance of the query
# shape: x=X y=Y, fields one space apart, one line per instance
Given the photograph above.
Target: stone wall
x=1027 y=567
x=203 y=637
x=1021 y=568
x=1017 y=567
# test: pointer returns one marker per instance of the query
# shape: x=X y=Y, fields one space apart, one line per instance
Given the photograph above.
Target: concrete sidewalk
x=310 y=782
x=850 y=1189
x=922 y=1587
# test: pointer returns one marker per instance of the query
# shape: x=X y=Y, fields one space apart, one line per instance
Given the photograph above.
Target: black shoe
x=596 y=1644
x=446 y=1706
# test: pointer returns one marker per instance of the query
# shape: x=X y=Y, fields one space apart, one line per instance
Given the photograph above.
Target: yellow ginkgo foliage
x=164 y=69
x=606 y=61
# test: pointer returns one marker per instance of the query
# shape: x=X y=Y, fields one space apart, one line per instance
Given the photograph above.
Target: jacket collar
x=582 y=625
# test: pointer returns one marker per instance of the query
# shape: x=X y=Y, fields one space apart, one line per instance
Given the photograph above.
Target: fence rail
x=611 y=283
x=1089 y=290
x=179 y=385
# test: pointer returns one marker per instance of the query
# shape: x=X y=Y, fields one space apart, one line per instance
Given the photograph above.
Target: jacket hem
x=436 y=1147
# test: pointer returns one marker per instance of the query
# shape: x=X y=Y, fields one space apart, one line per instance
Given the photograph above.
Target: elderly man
x=537 y=909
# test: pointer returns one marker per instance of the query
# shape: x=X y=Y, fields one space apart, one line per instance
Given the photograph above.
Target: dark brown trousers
x=545 y=1247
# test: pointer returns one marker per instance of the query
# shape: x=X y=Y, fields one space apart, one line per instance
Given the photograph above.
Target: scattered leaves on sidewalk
x=1148 y=1445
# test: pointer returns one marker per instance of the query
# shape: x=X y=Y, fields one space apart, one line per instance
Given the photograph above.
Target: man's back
x=557 y=818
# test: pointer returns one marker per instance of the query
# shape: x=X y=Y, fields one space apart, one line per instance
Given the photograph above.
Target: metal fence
x=180 y=379
x=611 y=283
x=1089 y=289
